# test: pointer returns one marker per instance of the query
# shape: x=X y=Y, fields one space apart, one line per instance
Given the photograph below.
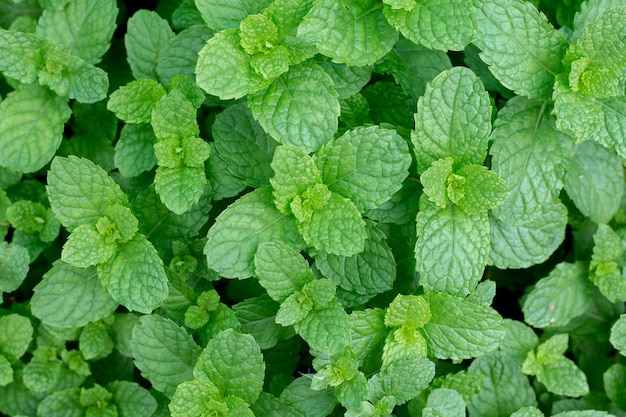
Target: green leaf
x=618 y=334
x=367 y=334
x=85 y=82
x=294 y=173
x=306 y=401
x=133 y=103
x=270 y=406
x=281 y=269
x=613 y=117
x=234 y=363
x=531 y=156
x=435 y=179
x=528 y=412
x=86 y=247
x=193 y=398
x=257 y=318
x=350 y=32
x=237 y=232
x=558 y=298
x=173 y=116
x=522 y=49
x=85 y=28
x=134 y=152
x=326 y=330
x=6 y=371
x=347 y=80
x=408 y=310
x=604 y=271
x=505 y=388
x=449 y=26
x=31 y=127
x=94 y=341
x=81 y=191
x=403 y=380
x=452 y=249
x=614 y=380
x=444 y=402
x=223 y=68
x=595 y=180
x=590 y=12
x=527 y=244
x=181 y=187
x=224 y=14
x=22 y=55
x=403 y=343
x=299 y=108
x=459 y=329
x=134 y=276
x=146 y=35
x=453 y=119
x=563 y=377
x=244 y=145
x=477 y=188
x=62 y=282
x=518 y=340
x=16 y=333
x=366 y=165
x=179 y=54
x=14 y=261
x=63 y=403
x=577 y=115
x=132 y=400
x=164 y=352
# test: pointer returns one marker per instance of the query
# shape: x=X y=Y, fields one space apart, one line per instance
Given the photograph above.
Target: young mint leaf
x=133 y=103
x=132 y=400
x=31 y=127
x=181 y=187
x=295 y=173
x=531 y=156
x=134 y=152
x=16 y=333
x=445 y=27
x=459 y=329
x=558 y=298
x=179 y=54
x=403 y=380
x=234 y=238
x=83 y=27
x=299 y=108
x=367 y=335
x=453 y=119
x=87 y=247
x=195 y=398
x=146 y=36
x=76 y=200
x=352 y=32
x=476 y=189
x=595 y=181
x=14 y=261
x=223 y=68
x=62 y=282
x=453 y=264
x=281 y=269
x=244 y=145
x=618 y=334
x=223 y=14
x=604 y=270
x=326 y=330
x=531 y=243
x=164 y=352
x=405 y=342
x=522 y=49
x=576 y=114
x=588 y=13
x=408 y=310
x=444 y=402
x=94 y=341
x=173 y=116
x=234 y=363
x=366 y=165
x=435 y=180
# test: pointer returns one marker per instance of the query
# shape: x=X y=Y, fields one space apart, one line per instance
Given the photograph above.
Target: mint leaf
x=270 y=406
x=612 y=113
x=22 y=55
x=237 y=232
x=87 y=247
x=353 y=33
x=6 y=371
x=595 y=181
x=294 y=173
x=190 y=398
x=83 y=27
x=257 y=319
x=31 y=127
x=223 y=14
x=234 y=363
x=133 y=103
x=299 y=108
x=326 y=330
x=614 y=380
x=181 y=187
x=63 y=403
x=179 y=54
x=577 y=115
x=444 y=402
x=435 y=180
x=453 y=119
x=94 y=341
x=522 y=49
x=531 y=156
x=445 y=27
x=367 y=165
x=618 y=334
x=62 y=282
x=459 y=329
x=146 y=35
x=403 y=380
x=14 y=261
x=558 y=298
x=134 y=276
x=164 y=352
x=16 y=333
x=134 y=152
x=132 y=400
x=174 y=116
x=453 y=264
x=604 y=270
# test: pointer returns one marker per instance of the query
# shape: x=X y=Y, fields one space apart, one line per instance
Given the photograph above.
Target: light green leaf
x=613 y=127
x=563 y=377
x=444 y=402
x=618 y=334
x=281 y=269
x=234 y=363
x=326 y=330
x=294 y=173
x=350 y=32
x=132 y=400
x=604 y=270
x=133 y=103
x=347 y=80
x=595 y=180
x=449 y=26
x=614 y=380
x=193 y=398
x=223 y=68
x=408 y=310
x=528 y=412
x=269 y=406
x=453 y=119
x=589 y=11
x=522 y=49
x=86 y=247
x=518 y=340
x=134 y=276
x=94 y=341
x=294 y=309
x=22 y=55
x=256 y=316
x=179 y=54
x=81 y=191
x=14 y=261
x=244 y=145
x=16 y=333
x=134 y=152
x=234 y=238
x=31 y=127
x=6 y=371
x=403 y=380
x=577 y=115
x=366 y=165
x=459 y=329
x=306 y=401
x=403 y=343
x=480 y=189
x=173 y=116
x=164 y=352
x=146 y=35
x=62 y=282
x=86 y=83
x=299 y=108
x=63 y=403
x=452 y=249
x=531 y=156
x=561 y=296
x=180 y=188
x=530 y=243
x=435 y=179
x=224 y=14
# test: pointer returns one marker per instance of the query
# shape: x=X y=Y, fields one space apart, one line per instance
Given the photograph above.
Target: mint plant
x=312 y=208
